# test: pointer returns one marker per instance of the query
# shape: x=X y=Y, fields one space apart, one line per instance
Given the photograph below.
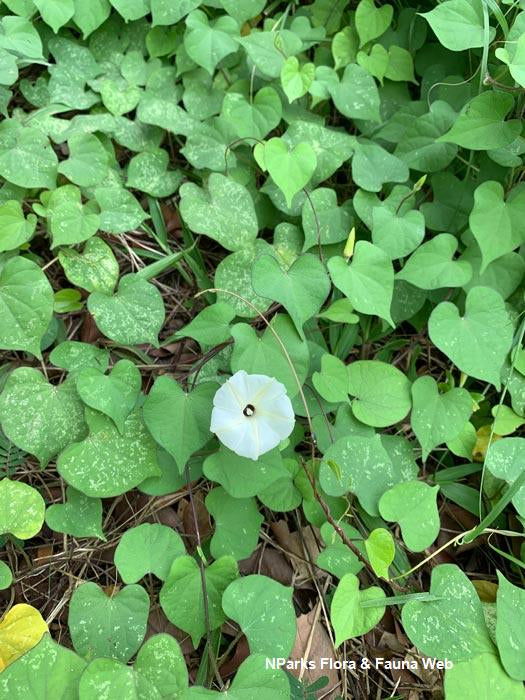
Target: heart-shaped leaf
x=481 y=678
x=242 y=477
x=132 y=316
x=237 y=524
x=380 y=549
x=432 y=266
x=79 y=516
x=120 y=211
x=337 y=558
x=26 y=306
x=371 y=21
x=356 y=95
x=375 y=62
x=108 y=626
x=74 y=355
x=397 y=233
x=147 y=548
x=347 y=616
x=6 y=576
x=413 y=505
x=437 y=418
x=208 y=43
x=225 y=212
x=450 y=628
x=108 y=463
x=296 y=79
x=181 y=595
x=253 y=680
x=332 y=381
x=323 y=221
x=263 y=610
x=148 y=172
x=505 y=460
x=114 y=395
x=87 y=164
x=302 y=289
x=39 y=417
x=382 y=392
x=119 y=97
x=15 y=229
x=21 y=628
x=69 y=220
x=58 y=668
x=179 y=421
x=253 y=119
x=477 y=342
x=291 y=170
x=368 y=281
x=510 y=621
x=95 y=269
x=22 y=509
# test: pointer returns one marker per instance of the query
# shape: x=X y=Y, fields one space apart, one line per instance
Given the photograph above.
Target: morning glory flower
x=251 y=414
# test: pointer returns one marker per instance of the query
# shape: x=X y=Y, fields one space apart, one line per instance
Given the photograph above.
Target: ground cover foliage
x=329 y=193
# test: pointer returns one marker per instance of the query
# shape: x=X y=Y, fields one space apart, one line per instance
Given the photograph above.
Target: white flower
x=251 y=414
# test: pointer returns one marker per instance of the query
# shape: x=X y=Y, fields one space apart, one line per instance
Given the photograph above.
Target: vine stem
x=309 y=476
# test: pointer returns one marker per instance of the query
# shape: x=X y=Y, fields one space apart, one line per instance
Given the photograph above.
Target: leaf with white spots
x=181 y=595
x=79 y=516
x=224 y=211
x=451 y=628
x=481 y=678
x=510 y=627
x=39 y=417
x=95 y=269
x=22 y=509
x=108 y=463
x=506 y=460
x=26 y=306
x=264 y=611
x=112 y=626
x=242 y=477
x=133 y=315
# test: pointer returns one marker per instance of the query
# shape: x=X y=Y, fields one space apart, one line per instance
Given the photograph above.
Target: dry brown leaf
x=270 y=563
x=293 y=544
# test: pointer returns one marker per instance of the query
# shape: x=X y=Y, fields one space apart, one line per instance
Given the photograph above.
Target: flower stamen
x=248 y=410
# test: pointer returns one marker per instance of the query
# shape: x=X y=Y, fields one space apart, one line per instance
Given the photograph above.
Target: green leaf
x=252 y=119
x=356 y=95
x=207 y=44
x=510 y=627
x=437 y=418
x=481 y=678
x=283 y=494
x=347 y=616
x=56 y=13
x=70 y=221
x=373 y=166
x=505 y=461
x=237 y=524
x=26 y=156
x=245 y=10
x=161 y=662
x=296 y=79
x=148 y=172
x=482 y=126
x=224 y=212
x=451 y=628
x=15 y=229
x=290 y=169
x=89 y=16
x=332 y=381
x=515 y=59
x=432 y=265
x=107 y=463
x=491 y=213
x=120 y=211
x=368 y=281
x=371 y=21
x=87 y=164
x=341 y=311
x=79 y=516
x=26 y=306
x=242 y=477
x=380 y=549
x=131 y=9
x=181 y=596
x=95 y=269
x=477 y=342
x=253 y=680
x=451 y=205
x=458 y=24
x=264 y=355
x=102 y=626
x=6 y=576
x=21 y=509
x=38 y=417
x=114 y=395
x=396 y=233
x=367 y=469
x=264 y=611
x=337 y=558
x=234 y=274
x=413 y=505
x=73 y=355
x=400 y=65
x=150 y=548
x=19 y=35
x=168 y=12
x=133 y=315
x=344 y=47
x=382 y=392
x=56 y=668
x=179 y=421
x=211 y=326
x=109 y=676
x=321 y=211
x=301 y=289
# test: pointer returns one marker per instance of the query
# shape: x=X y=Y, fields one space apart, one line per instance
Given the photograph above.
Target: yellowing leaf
x=21 y=629
x=482 y=442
